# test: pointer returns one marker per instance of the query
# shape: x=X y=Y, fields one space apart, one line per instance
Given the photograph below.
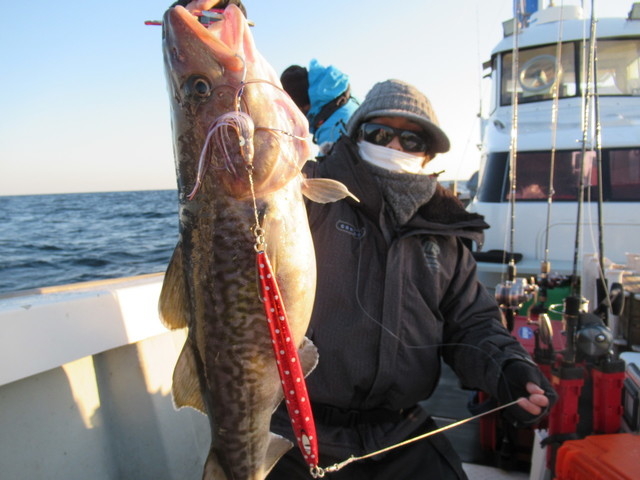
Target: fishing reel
x=545 y=280
x=593 y=339
x=511 y=295
x=588 y=337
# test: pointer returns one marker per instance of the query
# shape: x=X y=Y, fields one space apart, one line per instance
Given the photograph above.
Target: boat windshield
x=618 y=71
x=620 y=176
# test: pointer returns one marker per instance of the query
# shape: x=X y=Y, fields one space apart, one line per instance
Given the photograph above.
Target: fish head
x=230 y=117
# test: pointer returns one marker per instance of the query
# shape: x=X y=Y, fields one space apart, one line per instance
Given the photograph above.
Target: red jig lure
x=286 y=353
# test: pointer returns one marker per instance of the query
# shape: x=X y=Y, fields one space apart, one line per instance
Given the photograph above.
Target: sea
x=50 y=240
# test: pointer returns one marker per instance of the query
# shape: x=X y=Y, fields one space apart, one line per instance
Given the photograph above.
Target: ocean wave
x=50 y=240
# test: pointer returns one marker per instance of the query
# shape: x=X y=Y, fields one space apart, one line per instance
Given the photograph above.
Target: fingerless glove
x=513 y=385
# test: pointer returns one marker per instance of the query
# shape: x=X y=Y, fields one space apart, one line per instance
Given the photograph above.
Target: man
x=397 y=292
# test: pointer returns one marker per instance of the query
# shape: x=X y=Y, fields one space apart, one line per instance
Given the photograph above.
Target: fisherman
x=397 y=293
x=324 y=96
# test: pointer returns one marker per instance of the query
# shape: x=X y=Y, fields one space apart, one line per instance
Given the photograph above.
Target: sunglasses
x=383 y=135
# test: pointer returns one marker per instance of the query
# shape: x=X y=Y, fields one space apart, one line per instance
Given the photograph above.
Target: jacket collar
x=444 y=214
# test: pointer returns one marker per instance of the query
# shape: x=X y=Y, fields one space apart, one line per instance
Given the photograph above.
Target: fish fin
x=308 y=354
x=186 y=386
x=325 y=190
x=212 y=468
x=278 y=446
x=172 y=305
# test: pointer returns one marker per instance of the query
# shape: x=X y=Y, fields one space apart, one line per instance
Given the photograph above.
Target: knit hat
x=295 y=81
x=394 y=98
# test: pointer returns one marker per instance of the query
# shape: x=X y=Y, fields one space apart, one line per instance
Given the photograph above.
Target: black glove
x=513 y=385
x=221 y=4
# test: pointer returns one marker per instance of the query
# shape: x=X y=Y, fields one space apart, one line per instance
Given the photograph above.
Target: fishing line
x=319 y=472
x=400 y=340
x=242 y=81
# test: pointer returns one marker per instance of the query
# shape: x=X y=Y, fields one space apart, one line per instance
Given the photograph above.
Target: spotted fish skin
x=227 y=368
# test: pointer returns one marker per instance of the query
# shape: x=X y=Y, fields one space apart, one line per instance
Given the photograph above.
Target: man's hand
x=536 y=402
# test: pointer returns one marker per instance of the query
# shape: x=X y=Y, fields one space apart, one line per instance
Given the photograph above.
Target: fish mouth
x=181 y=24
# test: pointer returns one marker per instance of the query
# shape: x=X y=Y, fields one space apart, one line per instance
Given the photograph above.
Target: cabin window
x=532 y=179
x=538 y=72
x=624 y=174
x=618 y=71
x=620 y=176
x=618 y=67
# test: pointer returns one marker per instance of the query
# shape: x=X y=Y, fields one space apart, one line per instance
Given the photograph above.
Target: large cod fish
x=239 y=144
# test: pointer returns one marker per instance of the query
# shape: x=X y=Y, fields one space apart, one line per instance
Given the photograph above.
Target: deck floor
x=481 y=472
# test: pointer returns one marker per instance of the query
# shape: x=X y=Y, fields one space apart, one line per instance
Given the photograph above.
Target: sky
x=84 y=105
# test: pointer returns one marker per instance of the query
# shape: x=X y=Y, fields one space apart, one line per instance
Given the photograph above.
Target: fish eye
x=199 y=86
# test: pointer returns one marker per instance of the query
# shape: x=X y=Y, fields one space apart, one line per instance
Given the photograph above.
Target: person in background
x=397 y=293
x=324 y=96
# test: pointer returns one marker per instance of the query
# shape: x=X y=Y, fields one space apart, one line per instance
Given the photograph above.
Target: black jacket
x=390 y=302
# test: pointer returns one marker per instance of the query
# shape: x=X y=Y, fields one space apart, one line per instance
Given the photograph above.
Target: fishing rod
x=513 y=292
x=587 y=96
x=513 y=146
x=319 y=472
x=538 y=313
x=544 y=280
x=610 y=298
x=505 y=295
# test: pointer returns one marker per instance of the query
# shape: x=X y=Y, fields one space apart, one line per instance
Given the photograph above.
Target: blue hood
x=325 y=84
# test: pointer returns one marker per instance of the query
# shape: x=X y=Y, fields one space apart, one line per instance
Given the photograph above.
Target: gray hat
x=394 y=98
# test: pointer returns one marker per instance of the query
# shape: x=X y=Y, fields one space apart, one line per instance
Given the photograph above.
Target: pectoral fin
x=173 y=305
x=308 y=354
x=325 y=190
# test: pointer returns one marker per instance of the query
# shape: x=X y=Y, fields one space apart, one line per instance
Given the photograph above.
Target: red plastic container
x=600 y=457
x=607 y=404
